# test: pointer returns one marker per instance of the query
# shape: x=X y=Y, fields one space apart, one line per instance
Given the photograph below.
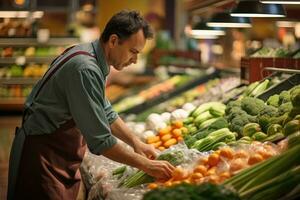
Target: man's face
x=124 y=53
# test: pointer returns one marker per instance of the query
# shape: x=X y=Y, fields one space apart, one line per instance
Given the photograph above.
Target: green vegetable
x=275 y=187
x=246 y=138
x=205 y=191
x=119 y=171
x=274 y=138
x=188 y=120
x=250 y=88
x=274 y=128
x=189 y=140
x=285 y=108
x=202 y=118
x=218 y=145
x=297 y=117
x=237 y=124
x=260 y=88
x=218 y=111
x=207 y=123
x=218 y=124
x=284 y=97
x=231 y=105
x=192 y=129
x=294 y=111
x=265 y=116
x=264 y=171
x=205 y=107
x=259 y=136
x=140 y=177
x=273 y=100
x=295 y=96
x=207 y=143
x=291 y=127
x=252 y=105
x=251 y=128
x=281 y=53
x=293 y=139
x=237 y=117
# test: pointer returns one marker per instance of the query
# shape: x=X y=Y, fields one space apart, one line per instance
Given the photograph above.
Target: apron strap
x=50 y=72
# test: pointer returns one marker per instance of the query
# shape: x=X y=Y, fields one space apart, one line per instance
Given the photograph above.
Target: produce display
x=220 y=165
x=30 y=70
x=297 y=55
x=15 y=91
x=114 y=91
x=212 y=90
x=22 y=62
x=271 y=52
x=277 y=177
x=273 y=178
x=168 y=136
x=30 y=51
x=150 y=93
x=246 y=147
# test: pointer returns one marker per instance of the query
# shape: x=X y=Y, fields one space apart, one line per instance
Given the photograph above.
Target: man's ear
x=113 y=40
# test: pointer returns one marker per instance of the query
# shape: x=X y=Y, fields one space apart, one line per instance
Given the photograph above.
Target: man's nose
x=134 y=59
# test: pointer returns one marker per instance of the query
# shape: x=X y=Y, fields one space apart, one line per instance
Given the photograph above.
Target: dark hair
x=124 y=24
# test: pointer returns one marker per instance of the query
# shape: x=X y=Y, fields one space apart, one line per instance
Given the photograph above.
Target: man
x=68 y=107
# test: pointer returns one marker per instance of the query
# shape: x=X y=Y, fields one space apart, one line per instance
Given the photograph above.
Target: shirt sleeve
x=111 y=115
x=87 y=104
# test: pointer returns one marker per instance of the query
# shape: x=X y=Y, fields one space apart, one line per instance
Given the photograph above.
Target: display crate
x=253 y=69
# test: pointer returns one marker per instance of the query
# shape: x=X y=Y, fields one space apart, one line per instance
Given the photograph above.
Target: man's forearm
x=121 y=131
x=121 y=154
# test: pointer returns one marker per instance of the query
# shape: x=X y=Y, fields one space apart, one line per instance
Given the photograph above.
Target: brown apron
x=48 y=167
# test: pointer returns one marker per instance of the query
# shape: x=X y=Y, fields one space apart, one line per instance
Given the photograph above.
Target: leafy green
x=252 y=105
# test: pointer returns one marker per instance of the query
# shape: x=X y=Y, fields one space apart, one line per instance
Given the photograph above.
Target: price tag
x=21 y=60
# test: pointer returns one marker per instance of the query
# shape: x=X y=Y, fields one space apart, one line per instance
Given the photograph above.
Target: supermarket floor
x=7 y=128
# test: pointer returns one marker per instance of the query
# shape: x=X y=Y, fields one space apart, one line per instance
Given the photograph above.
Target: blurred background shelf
x=12 y=104
x=18 y=80
x=13 y=60
x=57 y=41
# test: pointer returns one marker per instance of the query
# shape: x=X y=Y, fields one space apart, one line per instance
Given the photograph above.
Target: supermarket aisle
x=7 y=127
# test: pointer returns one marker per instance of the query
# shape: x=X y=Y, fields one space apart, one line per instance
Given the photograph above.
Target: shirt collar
x=101 y=60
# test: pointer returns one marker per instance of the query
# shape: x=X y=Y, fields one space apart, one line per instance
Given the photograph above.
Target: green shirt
x=76 y=90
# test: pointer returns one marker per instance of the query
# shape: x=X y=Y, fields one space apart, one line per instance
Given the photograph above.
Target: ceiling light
x=21 y=14
x=211 y=37
x=254 y=8
x=201 y=29
x=286 y=24
x=281 y=1
x=226 y=21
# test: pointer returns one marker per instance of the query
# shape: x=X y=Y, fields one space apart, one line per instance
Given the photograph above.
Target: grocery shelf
x=39 y=60
x=59 y=41
x=165 y=96
x=10 y=104
x=18 y=81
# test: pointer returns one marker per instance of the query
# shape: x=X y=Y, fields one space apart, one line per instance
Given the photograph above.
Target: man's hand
x=145 y=149
x=159 y=169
